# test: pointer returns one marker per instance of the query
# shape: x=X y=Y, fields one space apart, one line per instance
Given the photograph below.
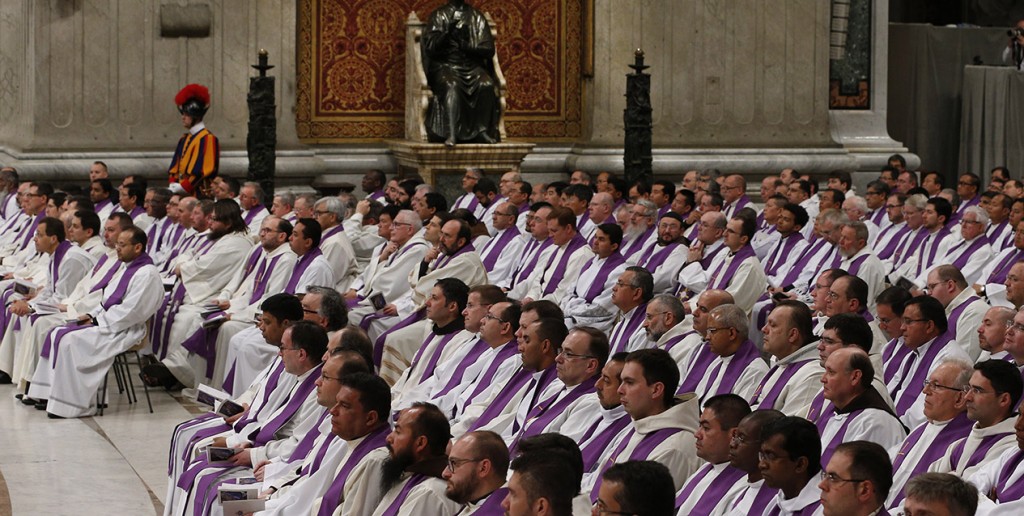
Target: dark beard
x=392 y=469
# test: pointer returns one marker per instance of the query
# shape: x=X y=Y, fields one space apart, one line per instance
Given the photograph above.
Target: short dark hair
x=800 y=215
x=945 y=209
x=136 y=235
x=544 y=309
x=374 y=393
x=881 y=186
x=546 y=475
x=852 y=329
x=895 y=298
x=614 y=232
x=105 y=185
x=869 y=461
x=647 y=487
x=931 y=309
x=485 y=185
x=52 y=226
x=748 y=227
x=556 y=443
x=598 y=346
x=332 y=307
x=436 y=201
x=668 y=186
x=284 y=307
x=137 y=192
x=89 y=220
x=353 y=339
x=843 y=176
x=1005 y=378
x=491 y=446
x=643 y=280
x=553 y=330
x=729 y=408
x=454 y=291
x=432 y=424
x=960 y=497
x=800 y=437
x=856 y=288
x=800 y=317
x=581 y=192
x=309 y=337
x=311 y=229
x=658 y=366
x=512 y=313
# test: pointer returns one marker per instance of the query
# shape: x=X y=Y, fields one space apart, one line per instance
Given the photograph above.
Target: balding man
x=477 y=467
x=737 y=366
x=858 y=411
x=856 y=209
x=693 y=369
x=964 y=310
x=789 y=385
x=503 y=250
x=992 y=333
x=859 y=259
x=734 y=192
x=602 y=208
x=995 y=277
x=946 y=410
x=706 y=252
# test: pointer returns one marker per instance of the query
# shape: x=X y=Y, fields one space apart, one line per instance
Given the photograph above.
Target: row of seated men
x=539 y=381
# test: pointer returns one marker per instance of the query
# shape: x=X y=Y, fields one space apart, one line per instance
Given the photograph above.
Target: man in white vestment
x=964 y=310
x=792 y=381
x=590 y=301
x=335 y=243
x=476 y=472
x=78 y=358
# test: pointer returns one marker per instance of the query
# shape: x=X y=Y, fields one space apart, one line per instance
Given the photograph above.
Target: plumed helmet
x=193 y=100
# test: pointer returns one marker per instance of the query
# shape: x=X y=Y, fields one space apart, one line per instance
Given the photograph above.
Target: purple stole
x=447 y=258
x=995 y=231
x=507 y=350
x=434 y=357
x=961 y=261
x=473 y=202
x=701 y=361
x=546 y=411
x=709 y=258
x=511 y=388
x=714 y=493
x=600 y=442
x=597 y=286
x=251 y=214
x=563 y=263
x=954 y=316
x=761 y=499
x=958 y=428
x=804 y=261
x=839 y=438
x=781 y=253
x=30 y=230
x=532 y=253
x=273 y=378
x=980 y=452
x=266 y=434
x=321 y=452
x=53 y=339
x=856 y=263
x=642 y=451
x=806 y=511
x=819 y=406
x=262 y=277
x=583 y=221
x=492 y=505
x=671 y=343
x=306 y=444
x=621 y=333
x=892 y=357
x=773 y=394
x=634 y=246
x=925 y=262
x=732 y=208
x=198 y=420
x=56 y=262
x=492 y=249
x=1004 y=491
x=877 y=216
x=905 y=399
x=377 y=195
x=909 y=246
x=653 y=257
x=329 y=233
x=372 y=441
x=300 y=268
x=720 y=279
x=136 y=211
x=396 y=506
x=156 y=234
x=378 y=345
x=959 y=213
x=471 y=357
x=1003 y=269
x=746 y=354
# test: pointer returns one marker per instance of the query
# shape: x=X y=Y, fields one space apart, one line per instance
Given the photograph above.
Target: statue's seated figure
x=458 y=63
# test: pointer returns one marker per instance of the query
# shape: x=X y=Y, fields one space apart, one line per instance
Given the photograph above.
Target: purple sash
x=329 y=233
x=267 y=433
x=924 y=264
x=780 y=255
x=958 y=428
x=306 y=444
x=713 y=493
x=761 y=499
x=262 y=278
x=803 y=262
x=203 y=342
x=272 y=380
x=444 y=260
x=415 y=480
x=300 y=268
x=583 y=221
x=136 y=211
x=507 y=351
x=854 y=267
x=332 y=498
x=546 y=411
x=743 y=357
x=624 y=330
x=378 y=345
x=892 y=357
x=1012 y=492
x=597 y=286
x=185 y=426
x=910 y=245
x=654 y=257
x=434 y=357
x=251 y=214
x=905 y=398
x=30 y=230
x=773 y=394
x=701 y=361
x=600 y=442
x=1003 y=269
x=492 y=250
x=954 y=315
x=961 y=261
x=671 y=343
x=563 y=263
x=979 y=454
x=819 y=407
x=510 y=389
x=894 y=241
x=526 y=268
x=56 y=262
x=635 y=245
x=321 y=452
x=839 y=438
x=492 y=505
x=642 y=451
x=471 y=357
x=156 y=234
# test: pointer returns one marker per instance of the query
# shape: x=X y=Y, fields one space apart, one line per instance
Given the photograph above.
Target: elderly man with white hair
x=334 y=243
x=973 y=251
x=856 y=208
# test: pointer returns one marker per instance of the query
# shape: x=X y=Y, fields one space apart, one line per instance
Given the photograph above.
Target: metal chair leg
x=145 y=388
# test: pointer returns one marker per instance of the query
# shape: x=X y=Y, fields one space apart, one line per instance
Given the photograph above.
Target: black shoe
x=5 y=379
x=157 y=375
x=28 y=401
x=41 y=404
x=19 y=396
x=54 y=416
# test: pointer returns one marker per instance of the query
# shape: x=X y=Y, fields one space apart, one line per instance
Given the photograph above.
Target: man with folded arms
x=411 y=475
x=737 y=366
x=992 y=397
x=590 y=301
x=704 y=493
x=477 y=466
x=946 y=409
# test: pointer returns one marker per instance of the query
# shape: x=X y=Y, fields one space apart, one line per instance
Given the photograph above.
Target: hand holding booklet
x=220 y=456
x=241 y=498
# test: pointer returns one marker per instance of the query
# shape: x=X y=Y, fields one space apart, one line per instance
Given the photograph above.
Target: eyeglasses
x=829 y=341
x=602 y=509
x=908 y=322
x=571 y=356
x=769 y=456
x=495 y=318
x=624 y=285
x=893 y=206
x=320 y=212
x=1010 y=325
x=264 y=231
x=932 y=384
x=454 y=463
x=742 y=439
x=282 y=348
x=833 y=479
x=396 y=223
x=977 y=391
x=324 y=378
x=713 y=330
x=310 y=311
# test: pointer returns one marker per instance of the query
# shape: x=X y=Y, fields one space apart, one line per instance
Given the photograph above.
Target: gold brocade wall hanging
x=351 y=73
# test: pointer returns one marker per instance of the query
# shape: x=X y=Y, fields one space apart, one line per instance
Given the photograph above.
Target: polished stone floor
x=103 y=465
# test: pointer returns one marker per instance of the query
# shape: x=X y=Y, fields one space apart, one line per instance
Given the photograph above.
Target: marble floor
x=102 y=465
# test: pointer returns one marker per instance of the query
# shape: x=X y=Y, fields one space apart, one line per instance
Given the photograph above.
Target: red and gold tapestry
x=351 y=67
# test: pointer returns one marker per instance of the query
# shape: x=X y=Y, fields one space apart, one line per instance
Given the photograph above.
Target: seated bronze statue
x=457 y=52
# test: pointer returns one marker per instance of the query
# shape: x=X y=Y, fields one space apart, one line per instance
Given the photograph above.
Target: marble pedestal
x=429 y=159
